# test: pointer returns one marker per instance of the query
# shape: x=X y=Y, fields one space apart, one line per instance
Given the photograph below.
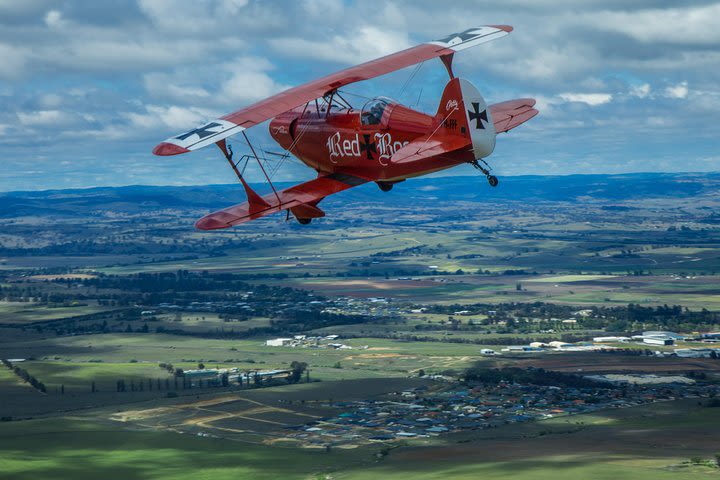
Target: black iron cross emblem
x=477 y=115
x=463 y=36
x=201 y=132
x=368 y=147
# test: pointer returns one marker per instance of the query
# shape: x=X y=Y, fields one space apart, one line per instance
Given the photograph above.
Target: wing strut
x=447 y=61
x=252 y=149
x=255 y=201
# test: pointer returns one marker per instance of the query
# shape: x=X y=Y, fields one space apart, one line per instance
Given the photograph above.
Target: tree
x=201 y=366
x=224 y=380
x=296 y=371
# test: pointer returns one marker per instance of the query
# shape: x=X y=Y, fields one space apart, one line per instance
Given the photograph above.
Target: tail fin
x=464 y=112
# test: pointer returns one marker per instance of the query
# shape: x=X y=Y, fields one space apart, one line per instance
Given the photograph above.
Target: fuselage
x=360 y=142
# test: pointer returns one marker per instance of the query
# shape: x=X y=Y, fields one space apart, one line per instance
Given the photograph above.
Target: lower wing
x=300 y=199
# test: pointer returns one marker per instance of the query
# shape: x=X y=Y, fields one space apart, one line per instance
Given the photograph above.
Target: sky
x=88 y=88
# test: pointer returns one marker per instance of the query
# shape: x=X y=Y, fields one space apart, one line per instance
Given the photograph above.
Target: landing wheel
x=304 y=221
x=385 y=186
x=492 y=179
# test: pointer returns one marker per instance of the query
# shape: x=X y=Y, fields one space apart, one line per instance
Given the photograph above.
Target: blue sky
x=88 y=88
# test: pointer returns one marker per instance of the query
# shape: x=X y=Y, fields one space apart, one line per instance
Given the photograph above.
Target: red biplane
x=383 y=142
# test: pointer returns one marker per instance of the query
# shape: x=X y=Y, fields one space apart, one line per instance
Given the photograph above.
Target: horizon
x=431 y=177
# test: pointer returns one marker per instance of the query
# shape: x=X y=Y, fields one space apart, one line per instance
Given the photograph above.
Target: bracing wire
x=409 y=79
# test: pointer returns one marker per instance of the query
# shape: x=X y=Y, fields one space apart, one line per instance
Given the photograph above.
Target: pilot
x=376 y=113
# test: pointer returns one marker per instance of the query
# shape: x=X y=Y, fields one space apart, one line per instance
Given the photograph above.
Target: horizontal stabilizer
x=510 y=114
x=426 y=147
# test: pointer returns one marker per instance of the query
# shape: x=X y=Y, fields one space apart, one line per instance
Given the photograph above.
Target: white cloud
x=42 y=118
x=159 y=117
x=249 y=81
x=592 y=99
x=640 y=91
x=54 y=19
x=162 y=85
x=678 y=91
x=236 y=82
x=181 y=16
x=350 y=47
x=681 y=25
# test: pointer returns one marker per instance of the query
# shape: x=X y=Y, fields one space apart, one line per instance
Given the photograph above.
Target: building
x=673 y=335
x=278 y=342
x=696 y=352
x=658 y=340
x=610 y=339
x=487 y=351
x=521 y=348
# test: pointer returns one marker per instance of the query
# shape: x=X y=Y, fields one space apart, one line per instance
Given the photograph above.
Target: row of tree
x=25 y=375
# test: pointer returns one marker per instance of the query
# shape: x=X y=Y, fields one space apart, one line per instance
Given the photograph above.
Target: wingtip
x=165 y=149
x=506 y=28
x=210 y=223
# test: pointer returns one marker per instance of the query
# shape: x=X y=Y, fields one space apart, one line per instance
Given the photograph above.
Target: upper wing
x=510 y=114
x=236 y=122
x=299 y=199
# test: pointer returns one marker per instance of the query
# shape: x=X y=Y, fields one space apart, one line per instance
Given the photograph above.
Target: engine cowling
x=282 y=129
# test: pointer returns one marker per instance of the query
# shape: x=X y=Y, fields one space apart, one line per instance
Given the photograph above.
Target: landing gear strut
x=304 y=221
x=492 y=179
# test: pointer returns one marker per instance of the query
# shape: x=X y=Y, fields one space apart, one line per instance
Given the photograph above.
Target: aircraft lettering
x=383 y=146
x=386 y=147
x=450 y=124
x=451 y=104
x=343 y=148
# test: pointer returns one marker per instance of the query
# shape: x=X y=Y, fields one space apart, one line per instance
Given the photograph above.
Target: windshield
x=372 y=111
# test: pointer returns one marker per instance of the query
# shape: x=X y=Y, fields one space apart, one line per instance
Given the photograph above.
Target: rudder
x=465 y=113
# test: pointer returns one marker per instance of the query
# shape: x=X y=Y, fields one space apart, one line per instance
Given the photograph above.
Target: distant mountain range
x=136 y=198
